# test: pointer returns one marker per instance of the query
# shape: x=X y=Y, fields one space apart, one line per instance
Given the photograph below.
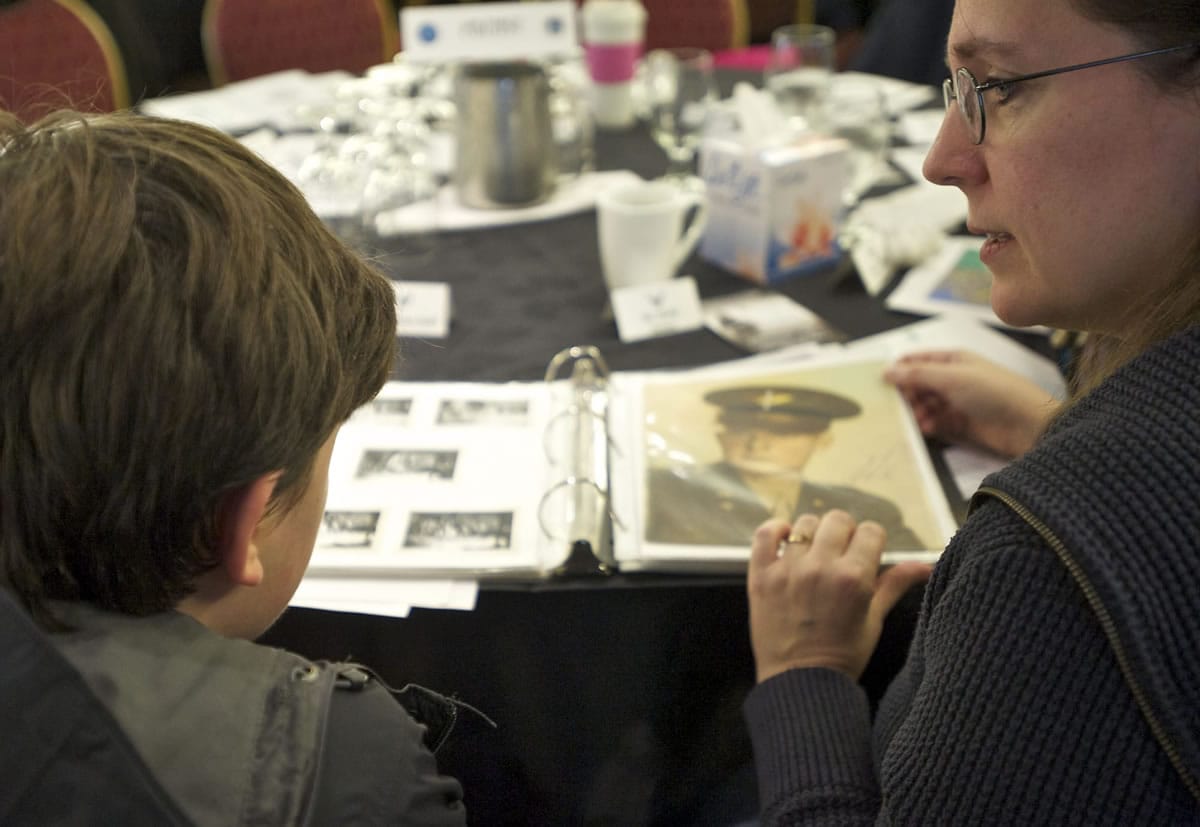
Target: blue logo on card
x=554 y=25
x=428 y=33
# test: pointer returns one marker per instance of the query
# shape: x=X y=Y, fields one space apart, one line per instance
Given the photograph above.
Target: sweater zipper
x=1110 y=631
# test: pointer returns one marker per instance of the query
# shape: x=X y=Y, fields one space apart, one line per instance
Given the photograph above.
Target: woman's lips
x=994 y=245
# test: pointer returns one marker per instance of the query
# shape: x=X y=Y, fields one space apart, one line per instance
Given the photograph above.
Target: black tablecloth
x=617 y=699
x=525 y=291
x=616 y=703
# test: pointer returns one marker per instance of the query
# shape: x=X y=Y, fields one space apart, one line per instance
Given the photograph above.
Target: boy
x=180 y=339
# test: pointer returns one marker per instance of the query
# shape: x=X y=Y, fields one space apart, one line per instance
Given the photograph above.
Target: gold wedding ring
x=799 y=539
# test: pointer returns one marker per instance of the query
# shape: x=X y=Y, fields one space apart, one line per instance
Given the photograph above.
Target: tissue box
x=773 y=212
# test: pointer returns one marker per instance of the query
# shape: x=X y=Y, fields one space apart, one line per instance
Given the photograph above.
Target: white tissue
x=760 y=123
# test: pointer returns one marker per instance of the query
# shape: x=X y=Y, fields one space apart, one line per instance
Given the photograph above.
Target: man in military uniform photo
x=767 y=436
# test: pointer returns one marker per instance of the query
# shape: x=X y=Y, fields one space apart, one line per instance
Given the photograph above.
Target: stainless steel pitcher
x=506 y=153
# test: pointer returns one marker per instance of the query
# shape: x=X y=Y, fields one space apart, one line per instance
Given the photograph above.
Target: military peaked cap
x=781 y=407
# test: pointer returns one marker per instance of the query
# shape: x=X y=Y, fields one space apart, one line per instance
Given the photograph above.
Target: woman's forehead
x=975 y=47
x=987 y=29
x=1027 y=35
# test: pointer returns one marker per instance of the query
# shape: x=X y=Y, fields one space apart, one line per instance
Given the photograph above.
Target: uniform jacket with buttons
x=715 y=507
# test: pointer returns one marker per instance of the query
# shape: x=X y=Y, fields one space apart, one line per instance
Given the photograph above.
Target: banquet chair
x=710 y=24
x=768 y=15
x=765 y=17
x=57 y=54
x=247 y=38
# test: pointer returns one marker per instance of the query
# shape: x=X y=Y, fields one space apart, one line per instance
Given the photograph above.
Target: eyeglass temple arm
x=980 y=87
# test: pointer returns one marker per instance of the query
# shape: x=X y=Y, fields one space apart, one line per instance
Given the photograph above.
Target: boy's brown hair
x=175 y=322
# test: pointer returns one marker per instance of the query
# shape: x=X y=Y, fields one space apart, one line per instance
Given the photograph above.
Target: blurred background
x=160 y=42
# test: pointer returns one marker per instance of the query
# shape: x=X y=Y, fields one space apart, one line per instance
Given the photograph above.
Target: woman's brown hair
x=175 y=322
x=1156 y=317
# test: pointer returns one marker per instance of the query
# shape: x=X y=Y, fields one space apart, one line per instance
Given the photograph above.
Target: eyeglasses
x=958 y=87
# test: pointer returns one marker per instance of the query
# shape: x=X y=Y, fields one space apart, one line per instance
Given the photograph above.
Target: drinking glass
x=400 y=199
x=332 y=177
x=399 y=195
x=400 y=80
x=680 y=90
x=798 y=70
x=855 y=110
x=571 y=118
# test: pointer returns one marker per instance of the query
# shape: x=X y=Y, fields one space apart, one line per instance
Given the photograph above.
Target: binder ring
x=556 y=527
x=569 y=414
x=587 y=364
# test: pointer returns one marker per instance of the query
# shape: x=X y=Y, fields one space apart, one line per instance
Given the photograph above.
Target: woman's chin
x=1016 y=313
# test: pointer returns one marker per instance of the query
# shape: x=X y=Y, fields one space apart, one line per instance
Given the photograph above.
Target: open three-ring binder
x=476 y=479
x=590 y=472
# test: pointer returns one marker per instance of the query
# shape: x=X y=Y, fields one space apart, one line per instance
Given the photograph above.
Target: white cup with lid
x=613 y=32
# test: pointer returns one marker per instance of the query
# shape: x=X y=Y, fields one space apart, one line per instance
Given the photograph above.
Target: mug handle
x=685 y=245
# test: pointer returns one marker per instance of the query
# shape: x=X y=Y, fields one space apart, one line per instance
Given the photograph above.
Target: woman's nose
x=954 y=159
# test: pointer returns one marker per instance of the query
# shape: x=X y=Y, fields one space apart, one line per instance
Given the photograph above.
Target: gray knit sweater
x=1054 y=677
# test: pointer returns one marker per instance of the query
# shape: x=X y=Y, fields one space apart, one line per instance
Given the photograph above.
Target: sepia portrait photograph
x=725 y=453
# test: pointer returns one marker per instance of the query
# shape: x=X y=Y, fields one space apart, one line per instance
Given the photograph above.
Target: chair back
x=709 y=24
x=247 y=38
x=57 y=54
x=768 y=15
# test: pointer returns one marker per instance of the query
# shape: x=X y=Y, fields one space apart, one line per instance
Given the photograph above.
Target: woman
x=1055 y=671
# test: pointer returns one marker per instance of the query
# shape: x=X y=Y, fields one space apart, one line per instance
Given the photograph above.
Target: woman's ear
x=240 y=513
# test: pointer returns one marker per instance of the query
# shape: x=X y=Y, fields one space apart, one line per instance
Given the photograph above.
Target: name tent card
x=422 y=309
x=488 y=31
x=644 y=311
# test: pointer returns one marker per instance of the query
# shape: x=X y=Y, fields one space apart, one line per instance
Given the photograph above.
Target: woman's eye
x=1002 y=91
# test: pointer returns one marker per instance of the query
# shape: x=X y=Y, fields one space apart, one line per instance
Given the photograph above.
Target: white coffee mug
x=644 y=232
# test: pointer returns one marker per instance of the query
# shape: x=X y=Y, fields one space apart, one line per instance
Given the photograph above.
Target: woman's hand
x=962 y=397
x=817 y=598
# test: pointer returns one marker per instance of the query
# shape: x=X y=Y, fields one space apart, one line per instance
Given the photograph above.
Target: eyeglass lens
x=961 y=90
